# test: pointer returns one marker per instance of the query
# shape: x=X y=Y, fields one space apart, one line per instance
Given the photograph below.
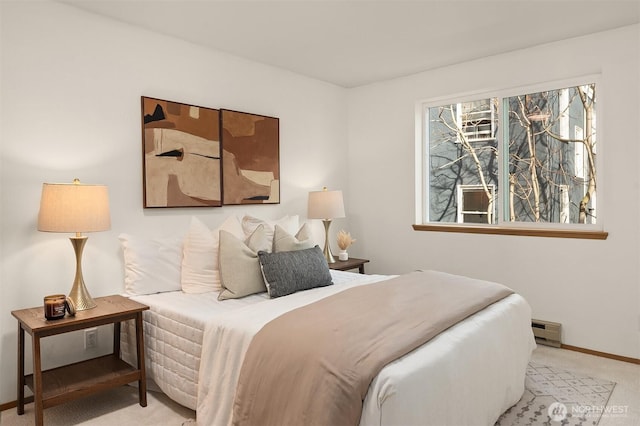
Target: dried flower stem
x=344 y=239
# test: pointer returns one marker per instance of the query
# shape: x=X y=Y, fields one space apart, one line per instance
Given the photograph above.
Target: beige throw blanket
x=313 y=365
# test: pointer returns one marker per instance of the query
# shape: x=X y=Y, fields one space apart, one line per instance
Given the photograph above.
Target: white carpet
x=115 y=407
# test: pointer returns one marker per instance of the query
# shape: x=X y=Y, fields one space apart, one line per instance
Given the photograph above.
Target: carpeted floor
x=582 y=397
x=115 y=407
x=556 y=396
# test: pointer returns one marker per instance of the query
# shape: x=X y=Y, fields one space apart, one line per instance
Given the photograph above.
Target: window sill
x=528 y=232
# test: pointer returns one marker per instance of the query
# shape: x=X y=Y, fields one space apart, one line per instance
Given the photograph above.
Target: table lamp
x=326 y=205
x=75 y=207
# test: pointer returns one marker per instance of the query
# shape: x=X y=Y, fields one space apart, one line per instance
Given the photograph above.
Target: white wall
x=591 y=287
x=70 y=107
x=71 y=85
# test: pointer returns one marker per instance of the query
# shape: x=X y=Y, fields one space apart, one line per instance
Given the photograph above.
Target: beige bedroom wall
x=591 y=287
x=71 y=85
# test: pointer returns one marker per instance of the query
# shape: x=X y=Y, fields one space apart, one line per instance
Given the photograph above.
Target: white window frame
x=502 y=220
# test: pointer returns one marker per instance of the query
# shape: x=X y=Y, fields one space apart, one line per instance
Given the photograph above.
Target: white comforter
x=469 y=374
x=173 y=329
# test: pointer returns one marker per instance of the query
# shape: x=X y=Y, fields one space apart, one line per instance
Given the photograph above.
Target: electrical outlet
x=91 y=338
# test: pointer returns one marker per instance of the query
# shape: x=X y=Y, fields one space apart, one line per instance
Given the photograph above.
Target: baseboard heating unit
x=546 y=332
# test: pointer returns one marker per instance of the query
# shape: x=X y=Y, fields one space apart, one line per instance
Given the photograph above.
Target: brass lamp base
x=327 y=247
x=79 y=293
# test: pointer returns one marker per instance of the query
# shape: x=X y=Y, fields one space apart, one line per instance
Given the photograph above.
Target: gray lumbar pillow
x=239 y=267
x=283 y=241
x=290 y=271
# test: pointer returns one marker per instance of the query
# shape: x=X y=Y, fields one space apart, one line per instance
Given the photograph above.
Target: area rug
x=556 y=396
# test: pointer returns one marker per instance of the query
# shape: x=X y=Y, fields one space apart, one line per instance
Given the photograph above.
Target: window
x=474 y=203
x=510 y=158
x=476 y=120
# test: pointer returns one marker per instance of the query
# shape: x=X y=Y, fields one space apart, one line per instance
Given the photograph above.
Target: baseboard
x=14 y=404
x=601 y=354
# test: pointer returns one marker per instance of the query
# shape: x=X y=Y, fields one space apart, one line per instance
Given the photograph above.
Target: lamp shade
x=74 y=207
x=325 y=204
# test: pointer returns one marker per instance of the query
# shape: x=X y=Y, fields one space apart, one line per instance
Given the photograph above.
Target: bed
x=469 y=374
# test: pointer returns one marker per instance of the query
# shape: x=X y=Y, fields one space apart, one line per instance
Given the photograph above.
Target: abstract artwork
x=181 y=149
x=250 y=158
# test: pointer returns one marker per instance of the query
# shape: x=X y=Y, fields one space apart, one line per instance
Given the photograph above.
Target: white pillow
x=151 y=265
x=200 y=272
x=200 y=264
x=233 y=225
x=288 y=223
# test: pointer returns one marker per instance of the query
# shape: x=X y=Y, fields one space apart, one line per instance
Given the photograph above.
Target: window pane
x=477 y=120
x=475 y=200
x=462 y=151
x=552 y=148
x=475 y=218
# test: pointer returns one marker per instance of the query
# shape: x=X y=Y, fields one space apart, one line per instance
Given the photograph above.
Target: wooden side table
x=62 y=384
x=351 y=263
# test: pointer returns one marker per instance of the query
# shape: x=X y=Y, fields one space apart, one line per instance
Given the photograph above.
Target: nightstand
x=66 y=383
x=351 y=263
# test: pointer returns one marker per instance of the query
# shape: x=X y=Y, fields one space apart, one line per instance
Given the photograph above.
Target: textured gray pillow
x=290 y=271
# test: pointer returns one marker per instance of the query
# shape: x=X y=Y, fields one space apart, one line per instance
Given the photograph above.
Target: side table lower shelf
x=84 y=378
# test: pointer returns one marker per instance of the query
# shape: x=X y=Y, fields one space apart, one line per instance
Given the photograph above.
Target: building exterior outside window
x=528 y=158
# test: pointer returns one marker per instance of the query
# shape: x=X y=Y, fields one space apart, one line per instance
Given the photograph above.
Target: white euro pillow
x=200 y=263
x=151 y=265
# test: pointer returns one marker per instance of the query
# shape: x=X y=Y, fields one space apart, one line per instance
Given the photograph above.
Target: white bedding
x=173 y=330
x=469 y=374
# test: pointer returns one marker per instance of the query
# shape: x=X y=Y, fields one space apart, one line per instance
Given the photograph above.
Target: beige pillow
x=288 y=223
x=239 y=266
x=283 y=241
x=200 y=267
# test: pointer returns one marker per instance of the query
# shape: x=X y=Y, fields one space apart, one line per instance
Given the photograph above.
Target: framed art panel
x=181 y=155
x=250 y=158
